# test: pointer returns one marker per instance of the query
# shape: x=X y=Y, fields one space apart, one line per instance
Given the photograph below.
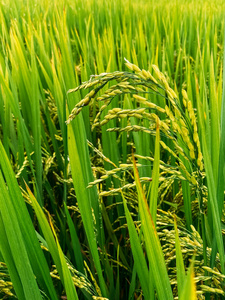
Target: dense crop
x=111 y=169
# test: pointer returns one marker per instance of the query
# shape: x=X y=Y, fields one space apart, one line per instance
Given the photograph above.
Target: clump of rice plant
x=176 y=120
x=183 y=165
x=81 y=210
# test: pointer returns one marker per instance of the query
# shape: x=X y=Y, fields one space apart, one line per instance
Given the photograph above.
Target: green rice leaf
x=14 y=241
x=153 y=247
x=155 y=178
x=188 y=286
x=54 y=249
x=17 y=214
x=81 y=170
x=137 y=251
x=179 y=262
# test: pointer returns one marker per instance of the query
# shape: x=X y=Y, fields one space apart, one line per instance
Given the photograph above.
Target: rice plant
x=111 y=170
x=177 y=125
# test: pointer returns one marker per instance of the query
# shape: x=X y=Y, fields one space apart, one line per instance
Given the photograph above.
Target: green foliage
x=115 y=189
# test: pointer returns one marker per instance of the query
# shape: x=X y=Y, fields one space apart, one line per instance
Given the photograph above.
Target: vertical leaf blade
x=153 y=247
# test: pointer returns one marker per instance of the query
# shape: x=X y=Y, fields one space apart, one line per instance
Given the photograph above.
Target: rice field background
x=112 y=148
